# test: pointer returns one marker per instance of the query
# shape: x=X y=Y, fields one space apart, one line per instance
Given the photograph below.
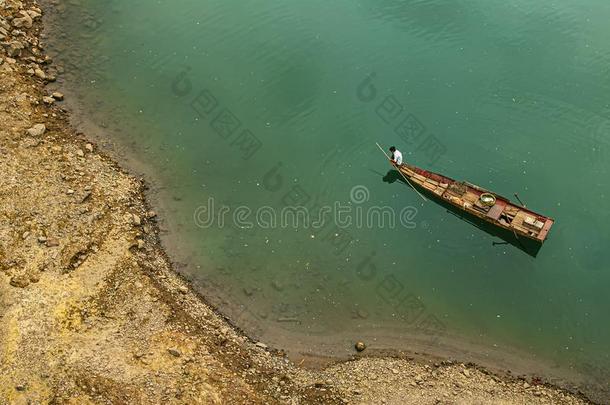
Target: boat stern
x=542 y=235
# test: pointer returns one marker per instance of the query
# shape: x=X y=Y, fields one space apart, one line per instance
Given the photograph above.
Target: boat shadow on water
x=526 y=245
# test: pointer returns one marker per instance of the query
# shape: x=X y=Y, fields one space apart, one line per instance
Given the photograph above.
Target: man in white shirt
x=396 y=158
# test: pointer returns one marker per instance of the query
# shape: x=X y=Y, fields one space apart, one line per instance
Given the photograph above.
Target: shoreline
x=307 y=354
x=503 y=361
x=154 y=270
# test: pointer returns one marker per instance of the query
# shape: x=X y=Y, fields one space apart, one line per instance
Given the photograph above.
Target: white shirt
x=397 y=157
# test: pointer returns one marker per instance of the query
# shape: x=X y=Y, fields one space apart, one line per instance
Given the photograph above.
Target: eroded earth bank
x=91 y=311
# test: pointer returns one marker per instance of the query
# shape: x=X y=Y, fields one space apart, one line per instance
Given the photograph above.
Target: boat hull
x=514 y=222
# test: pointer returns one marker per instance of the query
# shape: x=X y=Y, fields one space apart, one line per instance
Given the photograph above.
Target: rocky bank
x=91 y=311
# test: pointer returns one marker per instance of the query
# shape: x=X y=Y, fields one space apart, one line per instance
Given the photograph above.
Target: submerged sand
x=92 y=312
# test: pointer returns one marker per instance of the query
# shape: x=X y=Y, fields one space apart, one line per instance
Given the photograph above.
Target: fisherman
x=396 y=158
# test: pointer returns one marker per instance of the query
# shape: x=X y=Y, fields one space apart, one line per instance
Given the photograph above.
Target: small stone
x=174 y=352
x=52 y=242
x=466 y=373
x=80 y=152
x=20 y=387
x=135 y=219
x=39 y=73
x=25 y=235
x=261 y=345
x=360 y=346
x=48 y=100
x=151 y=214
x=394 y=371
x=140 y=244
x=14 y=49
x=20 y=281
x=69 y=191
x=183 y=289
x=85 y=196
x=37 y=130
x=89 y=147
x=361 y=313
x=58 y=96
x=42 y=239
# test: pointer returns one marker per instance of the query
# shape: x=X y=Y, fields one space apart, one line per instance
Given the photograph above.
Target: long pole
x=401 y=173
x=517 y=195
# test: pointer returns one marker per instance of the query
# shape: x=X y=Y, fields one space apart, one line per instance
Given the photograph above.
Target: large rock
x=34 y=14
x=37 y=130
x=5 y=68
x=14 y=49
x=25 y=21
x=4 y=24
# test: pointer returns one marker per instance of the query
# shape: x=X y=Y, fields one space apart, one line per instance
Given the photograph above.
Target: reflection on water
x=261 y=107
x=507 y=237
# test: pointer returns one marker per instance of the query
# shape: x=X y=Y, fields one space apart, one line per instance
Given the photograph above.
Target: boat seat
x=496 y=210
x=533 y=223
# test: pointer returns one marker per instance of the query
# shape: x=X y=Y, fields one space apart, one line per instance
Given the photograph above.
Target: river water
x=243 y=110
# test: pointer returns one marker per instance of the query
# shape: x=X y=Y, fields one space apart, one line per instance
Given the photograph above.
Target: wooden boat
x=485 y=205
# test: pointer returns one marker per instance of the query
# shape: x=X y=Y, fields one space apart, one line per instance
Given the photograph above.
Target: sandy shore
x=92 y=311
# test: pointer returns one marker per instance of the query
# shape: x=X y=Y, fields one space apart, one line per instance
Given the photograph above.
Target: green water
x=513 y=97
